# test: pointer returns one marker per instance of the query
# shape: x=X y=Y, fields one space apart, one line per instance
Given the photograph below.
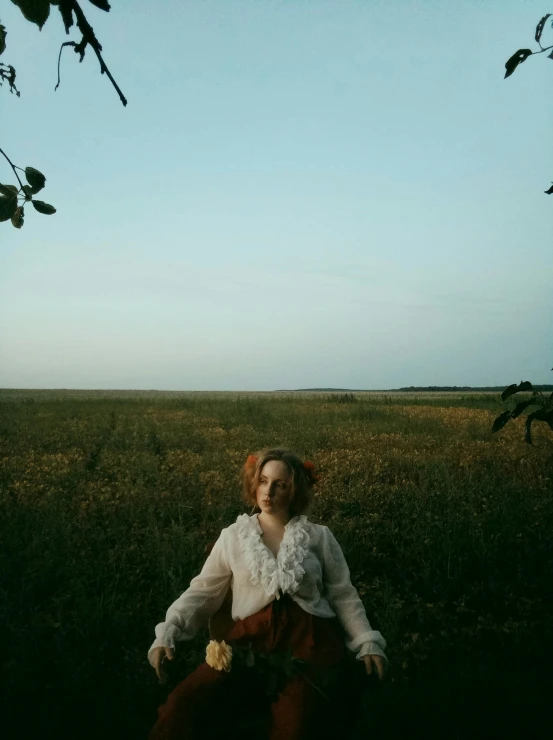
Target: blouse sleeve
x=191 y=611
x=344 y=599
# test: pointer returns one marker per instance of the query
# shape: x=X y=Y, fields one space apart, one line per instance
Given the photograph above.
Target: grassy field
x=108 y=499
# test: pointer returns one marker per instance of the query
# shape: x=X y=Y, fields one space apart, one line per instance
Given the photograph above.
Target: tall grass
x=107 y=503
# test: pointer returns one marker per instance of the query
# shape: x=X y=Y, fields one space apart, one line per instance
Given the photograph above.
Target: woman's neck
x=274 y=521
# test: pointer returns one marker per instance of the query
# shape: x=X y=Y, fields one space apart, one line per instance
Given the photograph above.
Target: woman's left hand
x=374 y=663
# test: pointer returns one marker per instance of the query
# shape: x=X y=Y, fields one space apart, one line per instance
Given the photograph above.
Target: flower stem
x=314 y=686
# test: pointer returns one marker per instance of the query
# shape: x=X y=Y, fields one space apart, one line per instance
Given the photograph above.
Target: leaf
x=3 y=34
x=102 y=4
x=66 y=11
x=519 y=408
x=27 y=189
x=514 y=388
x=8 y=207
x=289 y=670
x=550 y=191
x=8 y=190
x=42 y=207
x=36 y=11
x=539 y=27
x=518 y=57
x=17 y=218
x=35 y=179
x=274 y=660
x=508 y=391
x=501 y=420
x=529 y=419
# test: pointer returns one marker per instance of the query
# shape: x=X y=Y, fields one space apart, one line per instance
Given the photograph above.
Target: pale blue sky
x=301 y=193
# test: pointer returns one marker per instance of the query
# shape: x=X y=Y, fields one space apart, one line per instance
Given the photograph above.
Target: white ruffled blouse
x=310 y=567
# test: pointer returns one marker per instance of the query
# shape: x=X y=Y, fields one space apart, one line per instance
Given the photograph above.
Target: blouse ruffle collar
x=283 y=573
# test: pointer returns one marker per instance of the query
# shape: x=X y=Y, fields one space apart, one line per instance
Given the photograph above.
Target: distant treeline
x=422 y=389
x=457 y=388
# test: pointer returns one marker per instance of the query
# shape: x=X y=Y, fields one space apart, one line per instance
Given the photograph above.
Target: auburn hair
x=302 y=479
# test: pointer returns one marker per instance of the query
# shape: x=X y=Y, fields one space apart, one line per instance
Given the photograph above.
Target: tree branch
x=12 y=166
x=89 y=38
x=66 y=43
x=542 y=50
x=7 y=73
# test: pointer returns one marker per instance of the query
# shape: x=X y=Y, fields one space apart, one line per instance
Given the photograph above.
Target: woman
x=291 y=591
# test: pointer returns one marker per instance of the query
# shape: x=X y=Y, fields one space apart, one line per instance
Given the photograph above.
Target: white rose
x=219 y=655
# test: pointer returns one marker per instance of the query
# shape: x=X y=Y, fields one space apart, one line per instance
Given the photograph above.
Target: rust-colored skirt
x=208 y=703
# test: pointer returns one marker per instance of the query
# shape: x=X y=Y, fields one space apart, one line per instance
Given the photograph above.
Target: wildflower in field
x=219 y=655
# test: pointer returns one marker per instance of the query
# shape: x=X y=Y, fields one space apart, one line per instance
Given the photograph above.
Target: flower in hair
x=252 y=460
x=310 y=468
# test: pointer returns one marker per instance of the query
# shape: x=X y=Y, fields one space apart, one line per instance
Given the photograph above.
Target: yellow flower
x=219 y=655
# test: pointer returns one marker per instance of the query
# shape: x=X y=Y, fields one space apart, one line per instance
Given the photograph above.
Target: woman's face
x=274 y=492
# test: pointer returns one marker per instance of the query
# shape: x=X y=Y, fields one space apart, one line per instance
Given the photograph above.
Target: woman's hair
x=302 y=479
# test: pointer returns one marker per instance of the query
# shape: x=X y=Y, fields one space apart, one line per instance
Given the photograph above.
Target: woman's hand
x=374 y=663
x=158 y=656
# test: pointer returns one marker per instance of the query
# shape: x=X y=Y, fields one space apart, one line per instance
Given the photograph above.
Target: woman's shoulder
x=242 y=524
x=319 y=534
x=314 y=527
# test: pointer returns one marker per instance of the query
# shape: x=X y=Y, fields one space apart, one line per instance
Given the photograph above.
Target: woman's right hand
x=158 y=656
